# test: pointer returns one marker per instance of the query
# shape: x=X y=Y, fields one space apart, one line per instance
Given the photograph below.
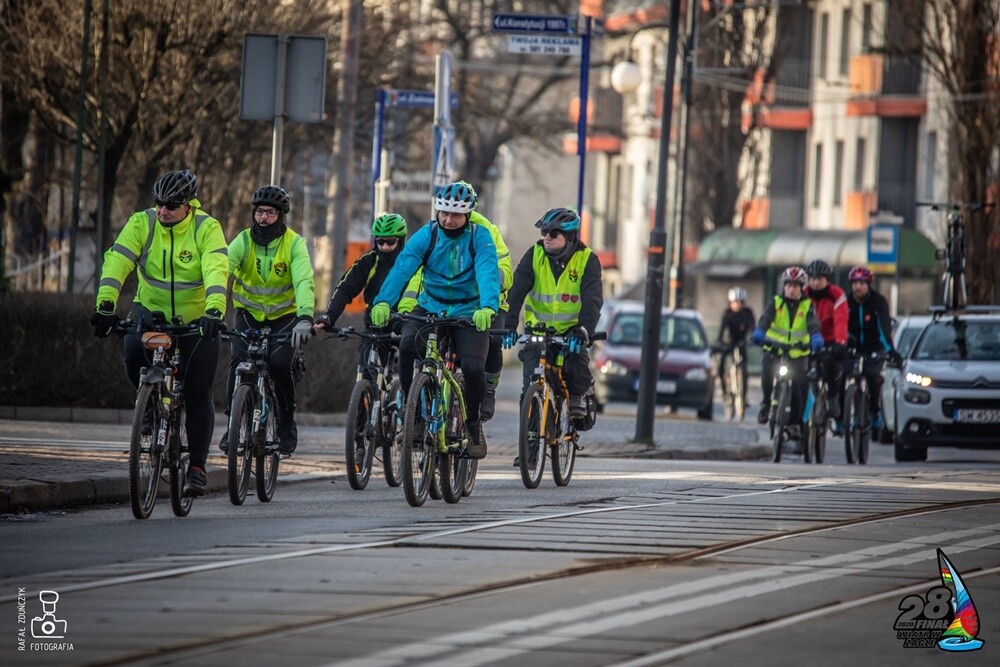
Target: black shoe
x=764 y=414
x=794 y=432
x=577 y=407
x=288 y=437
x=489 y=405
x=195 y=483
x=224 y=442
x=477 y=440
x=517 y=461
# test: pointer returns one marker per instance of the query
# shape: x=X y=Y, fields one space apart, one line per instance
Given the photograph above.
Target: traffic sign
x=544 y=45
x=423 y=99
x=534 y=23
x=444 y=157
x=883 y=248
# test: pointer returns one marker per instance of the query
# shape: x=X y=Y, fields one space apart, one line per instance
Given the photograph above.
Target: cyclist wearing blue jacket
x=461 y=279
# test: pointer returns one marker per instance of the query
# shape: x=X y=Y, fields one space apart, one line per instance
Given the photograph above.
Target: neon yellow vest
x=795 y=332
x=552 y=303
x=271 y=297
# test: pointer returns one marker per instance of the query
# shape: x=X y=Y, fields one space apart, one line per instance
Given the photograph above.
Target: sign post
x=884 y=241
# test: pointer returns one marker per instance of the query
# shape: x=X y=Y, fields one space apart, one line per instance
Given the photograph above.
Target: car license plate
x=666 y=387
x=977 y=416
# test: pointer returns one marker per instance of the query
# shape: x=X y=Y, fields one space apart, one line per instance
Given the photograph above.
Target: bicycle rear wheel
x=180 y=505
x=240 y=449
x=850 y=419
x=470 y=477
x=531 y=442
x=359 y=443
x=779 y=419
x=418 y=446
x=453 y=465
x=145 y=457
x=393 y=428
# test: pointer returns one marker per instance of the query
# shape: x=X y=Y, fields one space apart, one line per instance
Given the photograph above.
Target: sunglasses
x=390 y=241
x=169 y=205
x=266 y=212
x=551 y=233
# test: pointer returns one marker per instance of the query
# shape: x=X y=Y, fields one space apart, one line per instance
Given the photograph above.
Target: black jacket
x=868 y=322
x=736 y=326
x=356 y=280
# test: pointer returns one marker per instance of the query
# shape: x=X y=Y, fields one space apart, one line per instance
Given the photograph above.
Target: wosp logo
x=280 y=268
x=185 y=256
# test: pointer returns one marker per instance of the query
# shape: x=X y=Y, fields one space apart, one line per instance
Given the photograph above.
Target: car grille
x=978 y=383
x=969 y=431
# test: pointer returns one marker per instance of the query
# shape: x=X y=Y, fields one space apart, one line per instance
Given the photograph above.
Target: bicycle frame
x=440 y=368
x=541 y=375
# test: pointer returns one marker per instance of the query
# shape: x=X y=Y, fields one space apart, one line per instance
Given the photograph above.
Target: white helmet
x=737 y=294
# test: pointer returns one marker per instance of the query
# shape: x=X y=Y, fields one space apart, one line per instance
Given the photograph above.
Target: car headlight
x=920 y=396
x=696 y=374
x=613 y=368
x=917 y=379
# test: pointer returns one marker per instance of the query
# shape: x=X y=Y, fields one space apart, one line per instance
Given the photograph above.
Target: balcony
x=899 y=198
x=885 y=86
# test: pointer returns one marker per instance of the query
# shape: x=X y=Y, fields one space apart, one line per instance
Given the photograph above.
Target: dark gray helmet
x=819 y=269
x=176 y=186
x=272 y=195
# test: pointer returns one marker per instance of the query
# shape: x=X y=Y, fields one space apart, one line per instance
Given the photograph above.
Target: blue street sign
x=533 y=23
x=883 y=247
x=415 y=98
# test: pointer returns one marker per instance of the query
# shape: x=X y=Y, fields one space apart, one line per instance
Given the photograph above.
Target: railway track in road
x=667 y=530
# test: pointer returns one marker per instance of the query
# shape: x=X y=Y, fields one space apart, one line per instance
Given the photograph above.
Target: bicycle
x=374 y=412
x=816 y=408
x=731 y=366
x=857 y=420
x=955 y=295
x=545 y=421
x=254 y=416
x=781 y=395
x=434 y=461
x=159 y=435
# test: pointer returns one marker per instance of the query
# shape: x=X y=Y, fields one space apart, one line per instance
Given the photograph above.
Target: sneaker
x=577 y=407
x=879 y=421
x=489 y=404
x=477 y=440
x=288 y=437
x=794 y=431
x=764 y=414
x=838 y=428
x=195 y=483
x=517 y=461
x=224 y=442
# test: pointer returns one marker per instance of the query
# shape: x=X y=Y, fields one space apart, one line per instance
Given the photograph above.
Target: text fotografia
x=45 y=629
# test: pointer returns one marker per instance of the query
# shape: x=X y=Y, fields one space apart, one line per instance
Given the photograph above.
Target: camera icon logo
x=47 y=626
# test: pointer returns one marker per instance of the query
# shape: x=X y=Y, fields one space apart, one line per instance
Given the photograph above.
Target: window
x=859 y=164
x=838 y=172
x=845 y=42
x=931 y=165
x=817 y=174
x=824 y=33
x=866 y=29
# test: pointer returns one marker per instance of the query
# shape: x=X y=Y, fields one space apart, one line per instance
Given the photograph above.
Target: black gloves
x=104 y=319
x=210 y=323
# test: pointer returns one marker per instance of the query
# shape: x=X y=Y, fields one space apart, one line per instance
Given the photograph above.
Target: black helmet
x=563 y=219
x=175 y=186
x=819 y=269
x=272 y=195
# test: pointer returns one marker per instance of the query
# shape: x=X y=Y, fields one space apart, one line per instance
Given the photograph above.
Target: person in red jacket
x=830 y=302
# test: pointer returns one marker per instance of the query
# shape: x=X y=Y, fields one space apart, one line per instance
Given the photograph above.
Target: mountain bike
x=434 y=442
x=374 y=413
x=254 y=416
x=781 y=395
x=159 y=434
x=731 y=384
x=545 y=421
x=817 y=403
x=955 y=295
x=857 y=416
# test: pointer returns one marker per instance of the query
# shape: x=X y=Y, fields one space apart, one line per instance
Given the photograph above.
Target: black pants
x=800 y=388
x=494 y=358
x=576 y=367
x=279 y=364
x=470 y=345
x=831 y=370
x=199 y=361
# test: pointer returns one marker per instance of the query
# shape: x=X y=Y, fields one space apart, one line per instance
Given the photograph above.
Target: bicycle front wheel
x=418 y=446
x=779 y=419
x=267 y=459
x=850 y=419
x=359 y=445
x=739 y=391
x=864 y=429
x=392 y=432
x=145 y=457
x=531 y=445
x=470 y=477
x=564 y=449
x=180 y=505
x=240 y=449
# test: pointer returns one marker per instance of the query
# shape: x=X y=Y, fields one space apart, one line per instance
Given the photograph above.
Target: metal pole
x=102 y=140
x=278 y=134
x=443 y=134
x=377 y=149
x=81 y=108
x=649 y=361
x=687 y=83
x=581 y=122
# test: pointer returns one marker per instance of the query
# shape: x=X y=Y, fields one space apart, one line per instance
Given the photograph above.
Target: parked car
x=950 y=388
x=686 y=375
x=904 y=335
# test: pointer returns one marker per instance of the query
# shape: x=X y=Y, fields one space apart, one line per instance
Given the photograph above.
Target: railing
x=41 y=273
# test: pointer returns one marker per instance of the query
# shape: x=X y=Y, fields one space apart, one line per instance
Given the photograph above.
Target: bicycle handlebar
x=177 y=330
x=375 y=336
x=434 y=319
x=255 y=335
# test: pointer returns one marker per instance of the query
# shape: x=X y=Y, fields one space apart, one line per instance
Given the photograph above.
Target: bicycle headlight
x=782 y=370
x=919 y=380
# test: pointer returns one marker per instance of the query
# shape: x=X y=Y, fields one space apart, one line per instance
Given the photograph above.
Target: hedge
x=51 y=358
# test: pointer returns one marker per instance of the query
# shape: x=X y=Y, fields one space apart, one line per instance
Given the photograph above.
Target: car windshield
x=970 y=340
x=675 y=332
x=907 y=337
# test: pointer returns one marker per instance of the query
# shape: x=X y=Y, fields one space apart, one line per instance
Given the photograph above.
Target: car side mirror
x=894 y=362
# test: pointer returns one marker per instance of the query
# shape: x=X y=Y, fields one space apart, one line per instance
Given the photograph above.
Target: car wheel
x=705 y=413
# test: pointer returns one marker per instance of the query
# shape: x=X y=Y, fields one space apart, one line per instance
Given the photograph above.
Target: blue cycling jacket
x=460 y=274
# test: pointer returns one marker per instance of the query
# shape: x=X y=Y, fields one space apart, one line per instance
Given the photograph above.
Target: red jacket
x=831 y=310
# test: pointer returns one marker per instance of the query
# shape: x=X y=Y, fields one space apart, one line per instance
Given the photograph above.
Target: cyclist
x=789 y=319
x=560 y=284
x=869 y=327
x=830 y=303
x=272 y=287
x=365 y=277
x=460 y=279
x=737 y=322
x=494 y=358
x=180 y=253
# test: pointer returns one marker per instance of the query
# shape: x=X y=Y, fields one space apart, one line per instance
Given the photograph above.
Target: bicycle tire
x=470 y=477
x=144 y=464
x=266 y=464
x=816 y=442
x=418 y=446
x=739 y=396
x=864 y=429
x=180 y=505
x=780 y=417
x=564 y=451
x=359 y=436
x=531 y=442
x=850 y=417
x=452 y=466
x=239 y=454
x=393 y=428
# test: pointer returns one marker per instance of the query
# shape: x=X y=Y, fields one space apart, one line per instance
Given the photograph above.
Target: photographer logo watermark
x=47 y=631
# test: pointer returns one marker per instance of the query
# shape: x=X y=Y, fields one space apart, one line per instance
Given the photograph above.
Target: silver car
x=950 y=387
x=903 y=337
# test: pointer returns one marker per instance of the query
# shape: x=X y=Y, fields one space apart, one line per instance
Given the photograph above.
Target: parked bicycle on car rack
x=254 y=416
x=374 y=413
x=159 y=435
x=545 y=421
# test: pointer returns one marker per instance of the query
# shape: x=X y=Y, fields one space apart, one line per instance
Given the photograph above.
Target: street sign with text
x=421 y=99
x=534 y=23
x=883 y=248
x=544 y=45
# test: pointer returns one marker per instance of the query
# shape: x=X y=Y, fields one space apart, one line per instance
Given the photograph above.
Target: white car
x=950 y=388
x=903 y=337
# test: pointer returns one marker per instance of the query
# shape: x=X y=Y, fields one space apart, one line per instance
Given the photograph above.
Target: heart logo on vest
x=280 y=268
x=569 y=297
x=185 y=256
